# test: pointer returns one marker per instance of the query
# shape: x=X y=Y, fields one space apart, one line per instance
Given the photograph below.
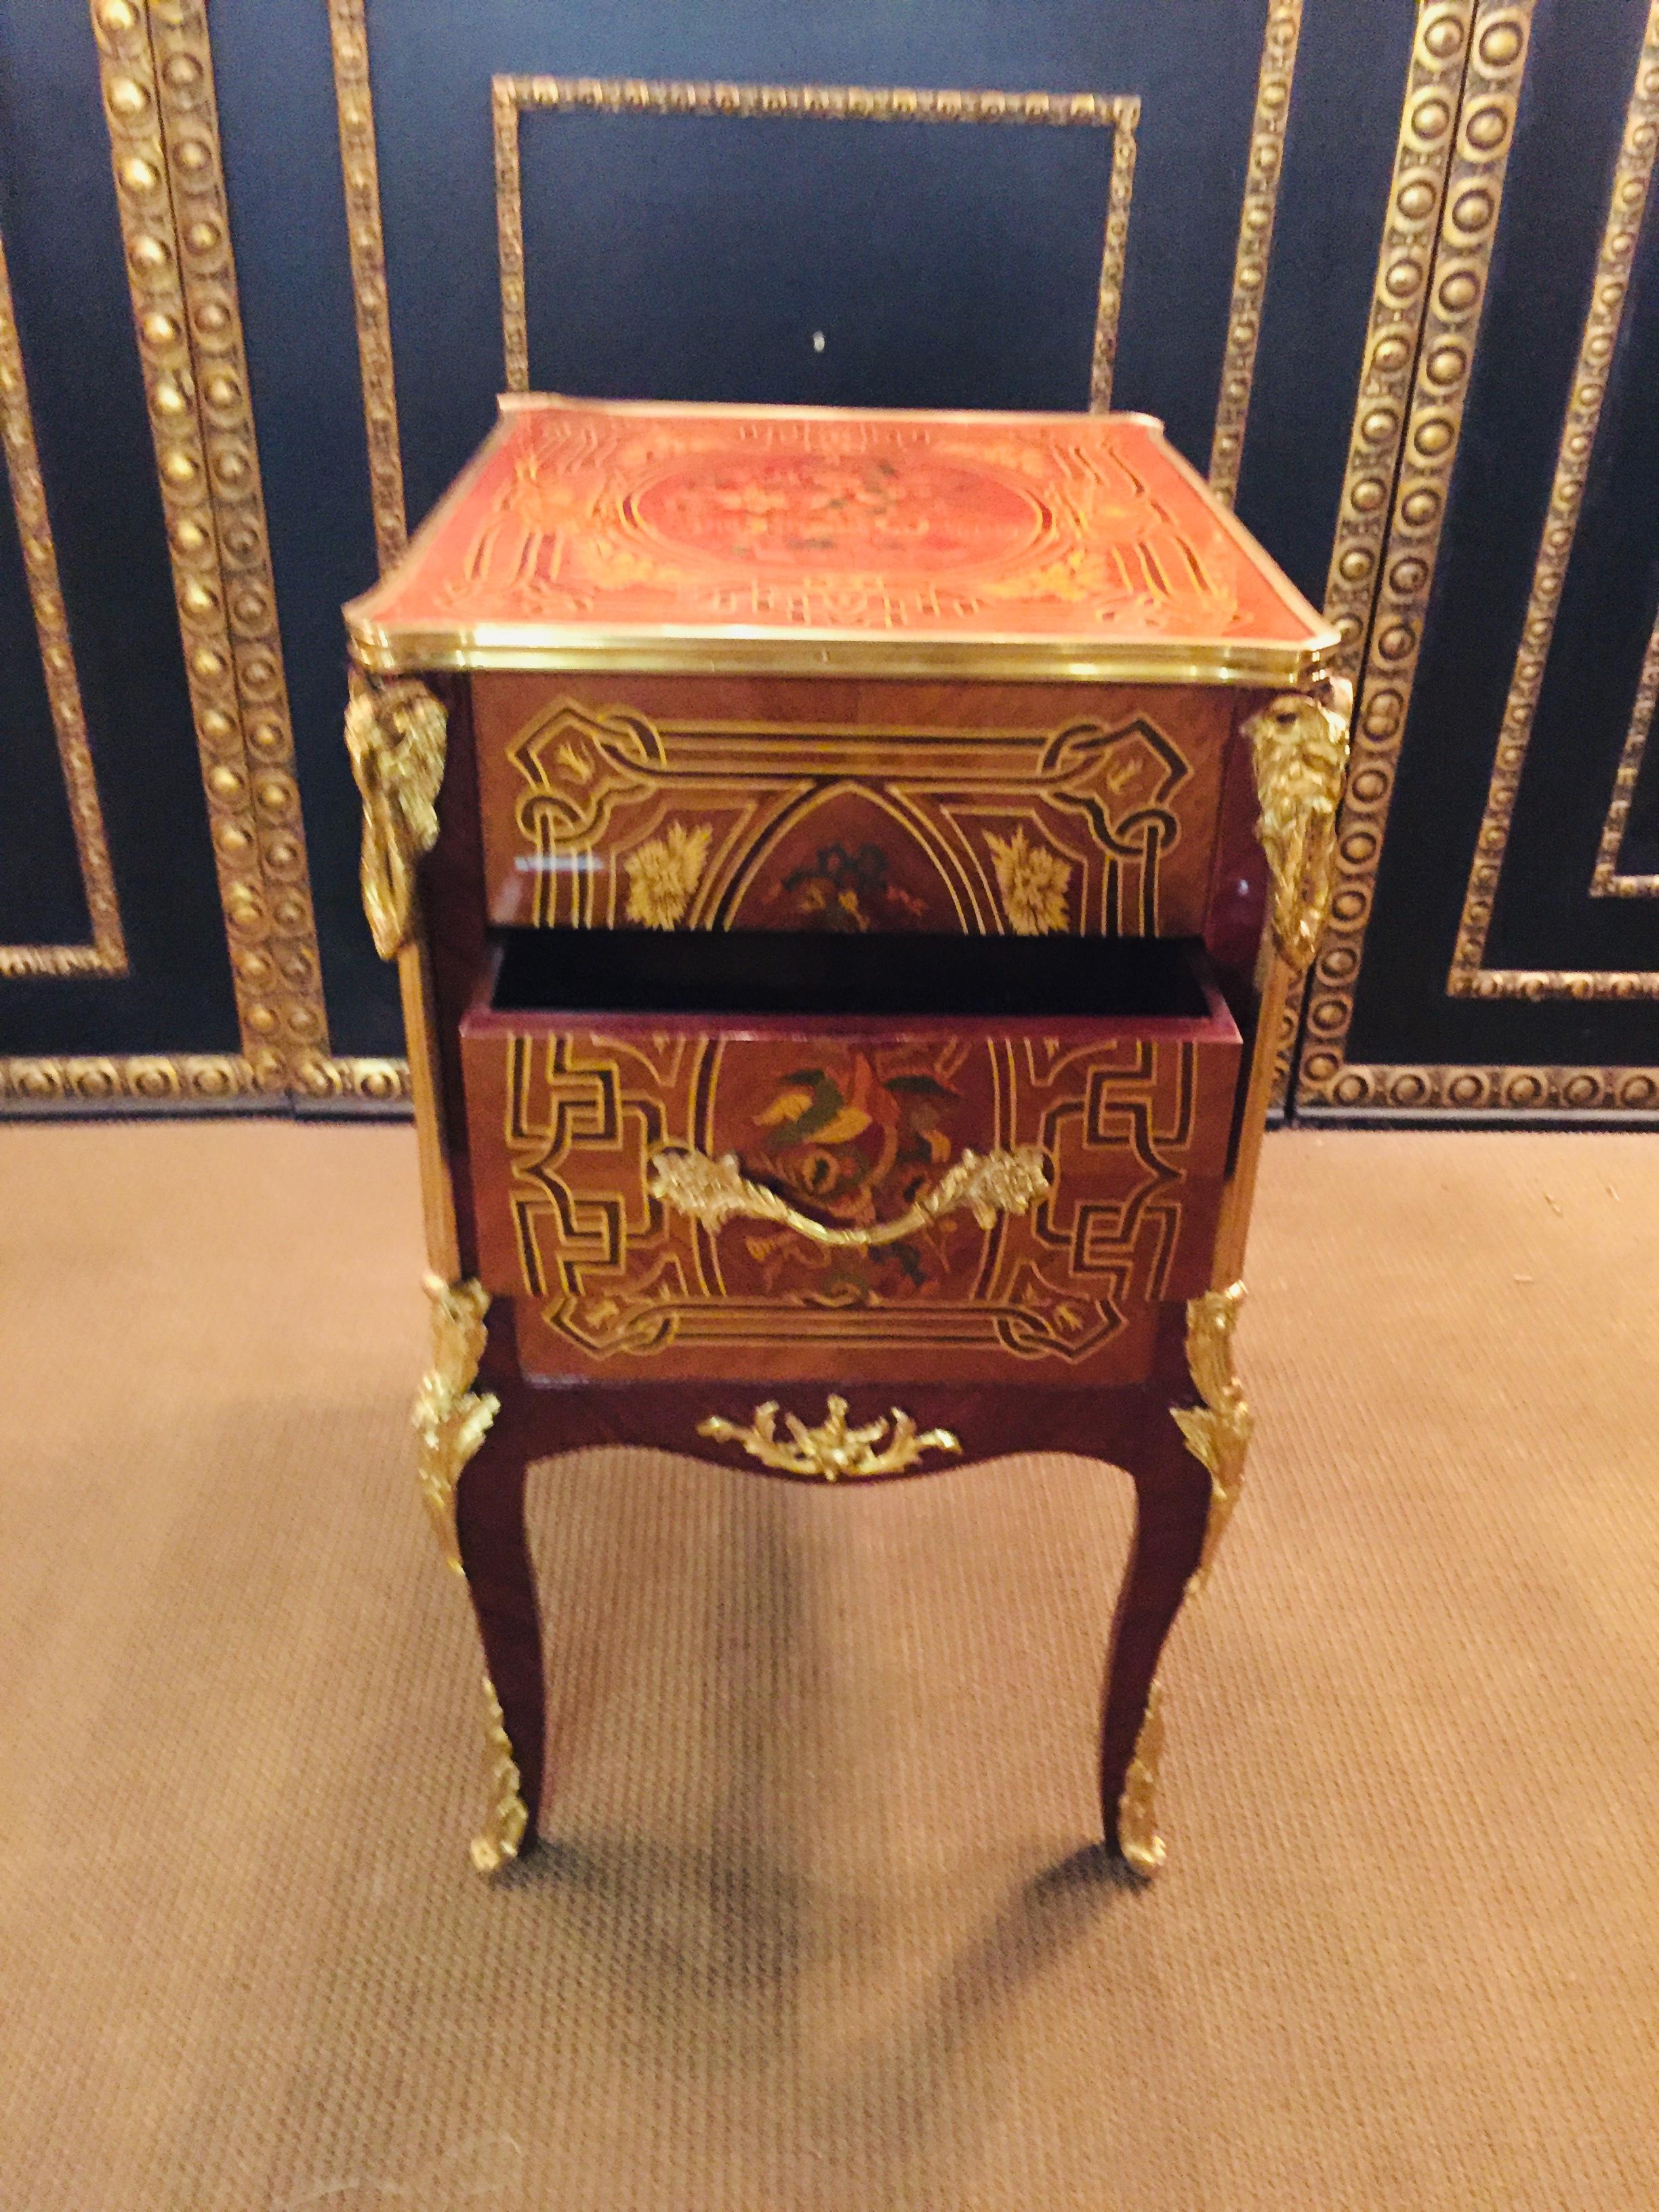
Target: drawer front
x=860 y=1133
x=677 y=803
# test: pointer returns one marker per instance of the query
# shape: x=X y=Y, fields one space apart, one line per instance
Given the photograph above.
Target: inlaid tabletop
x=589 y=533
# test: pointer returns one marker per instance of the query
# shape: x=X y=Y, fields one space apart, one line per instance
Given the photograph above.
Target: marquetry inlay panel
x=853 y=1128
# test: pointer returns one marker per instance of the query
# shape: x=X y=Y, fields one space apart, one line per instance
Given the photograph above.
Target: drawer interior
x=727 y=973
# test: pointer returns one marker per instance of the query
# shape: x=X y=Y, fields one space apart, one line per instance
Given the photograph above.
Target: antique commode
x=847 y=869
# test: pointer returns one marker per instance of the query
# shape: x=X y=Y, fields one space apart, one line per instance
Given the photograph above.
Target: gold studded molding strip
x=1255 y=238
x=107 y=955
x=157 y=80
x=1470 y=976
x=1468 y=62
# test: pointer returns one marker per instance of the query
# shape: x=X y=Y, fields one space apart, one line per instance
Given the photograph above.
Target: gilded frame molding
x=511 y=96
x=1607 y=880
x=107 y=955
x=1468 y=61
x=1327 y=1084
x=156 y=70
x=1470 y=976
x=359 y=175
x=1255 y=238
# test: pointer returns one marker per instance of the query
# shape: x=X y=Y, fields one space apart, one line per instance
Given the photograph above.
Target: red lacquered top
x=795 y=540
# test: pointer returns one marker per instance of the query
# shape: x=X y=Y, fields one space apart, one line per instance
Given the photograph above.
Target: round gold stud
x=1500 y=45
x=1487 y=127
x=1474 y=211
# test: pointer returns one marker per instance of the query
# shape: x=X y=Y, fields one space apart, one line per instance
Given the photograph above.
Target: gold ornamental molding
x=1469 y=60
x=1607 y=879
x=157 y=78
x=107 y=953
x=158 y=1082
x=1255 y=238
x=360 y=175
x=1470 y=976
x=510 y=96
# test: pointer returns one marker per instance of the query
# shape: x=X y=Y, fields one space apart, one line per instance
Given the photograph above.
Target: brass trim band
x=804 y=653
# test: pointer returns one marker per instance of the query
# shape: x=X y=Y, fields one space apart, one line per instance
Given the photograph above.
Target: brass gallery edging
x=1118 y=112
x=1255 y=238
x=1470 y=977
x=1456 y=126
x=107 y=955
x=804 y=653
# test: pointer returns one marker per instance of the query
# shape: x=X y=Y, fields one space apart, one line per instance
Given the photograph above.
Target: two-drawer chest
x=847 y=869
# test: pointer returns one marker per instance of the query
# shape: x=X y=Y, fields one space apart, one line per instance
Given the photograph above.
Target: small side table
x=846 y=871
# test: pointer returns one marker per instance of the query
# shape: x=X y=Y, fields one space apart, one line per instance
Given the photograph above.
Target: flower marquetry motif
x=662 y=875
x=1033 y=882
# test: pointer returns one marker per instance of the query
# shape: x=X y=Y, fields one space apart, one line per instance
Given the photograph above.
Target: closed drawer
x=783 y=804
x=791 y=1176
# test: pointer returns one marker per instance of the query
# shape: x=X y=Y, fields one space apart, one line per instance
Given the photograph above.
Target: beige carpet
x=816 y=1932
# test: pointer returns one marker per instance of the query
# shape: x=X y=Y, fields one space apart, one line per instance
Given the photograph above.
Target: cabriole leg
x=1186 y=1477
x=473 y=1458
x=501 y=1582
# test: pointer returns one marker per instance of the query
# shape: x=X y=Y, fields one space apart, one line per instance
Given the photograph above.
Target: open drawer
x=751 y=1157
